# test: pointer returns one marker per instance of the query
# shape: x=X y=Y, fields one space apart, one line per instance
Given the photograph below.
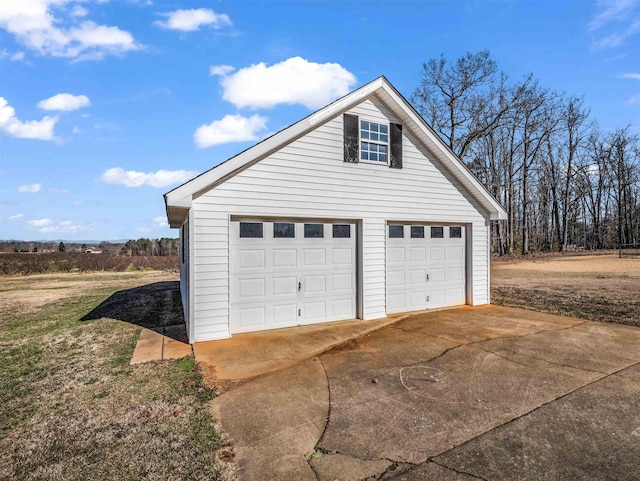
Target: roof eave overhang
x=179 y=200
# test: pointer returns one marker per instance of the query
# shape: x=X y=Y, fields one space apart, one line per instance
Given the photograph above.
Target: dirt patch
x=600 y=287
x=602 y=264
x=27 y=294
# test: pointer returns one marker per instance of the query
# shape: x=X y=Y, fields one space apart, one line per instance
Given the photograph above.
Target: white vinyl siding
x=308 y=179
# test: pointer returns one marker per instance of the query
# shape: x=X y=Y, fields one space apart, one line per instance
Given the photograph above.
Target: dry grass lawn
x=596 y=287
x=71 y=407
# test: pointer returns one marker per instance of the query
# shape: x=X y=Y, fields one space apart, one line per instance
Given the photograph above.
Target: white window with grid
x=374 y=142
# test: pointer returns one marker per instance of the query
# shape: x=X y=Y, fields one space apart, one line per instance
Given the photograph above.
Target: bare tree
x=624 y=164
x=558 y=177
x=451 y=97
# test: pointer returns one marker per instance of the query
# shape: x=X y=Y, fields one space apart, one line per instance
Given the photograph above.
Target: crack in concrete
x=495 y=428
x=617 y=373
x=473 y=344
x=459 y=471
x=394 y=465
x=326 y=424
x=496 y=353
x=409 y=331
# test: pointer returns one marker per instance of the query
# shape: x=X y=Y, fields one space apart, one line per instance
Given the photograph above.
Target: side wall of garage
x=308 y=179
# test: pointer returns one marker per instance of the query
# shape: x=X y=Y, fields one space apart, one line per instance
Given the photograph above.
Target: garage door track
x=472 y=393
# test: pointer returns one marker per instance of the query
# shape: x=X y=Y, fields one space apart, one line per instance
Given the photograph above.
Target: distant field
x=71 y=407
x=38 y=263
x=596 y=287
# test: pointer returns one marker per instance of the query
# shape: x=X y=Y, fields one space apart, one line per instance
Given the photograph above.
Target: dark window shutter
x=351 y=143
x=395 y=146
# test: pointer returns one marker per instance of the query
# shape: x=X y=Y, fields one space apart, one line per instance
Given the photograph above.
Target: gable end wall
x=308 y=179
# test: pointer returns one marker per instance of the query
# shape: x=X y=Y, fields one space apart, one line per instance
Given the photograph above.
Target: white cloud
x=611 y=10
x=593 y=170
x=46 y=27
x=293 y=81
x=634 y=76
x=161 y=221
x=33 y=129
x=64 y=227
x=16 y=56
x=232 y=128
x=40 y=222
x=78 y=11
x=616 y=21
x=132 y=178
x=16 y=217
x=221 y=70
x=64 y=102
x=193 y=19
x=76 y=130
x=634 y=100
x=143 y=229
x=32 y=188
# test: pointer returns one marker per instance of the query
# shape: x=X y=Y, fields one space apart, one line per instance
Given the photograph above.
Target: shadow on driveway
x=153 y=306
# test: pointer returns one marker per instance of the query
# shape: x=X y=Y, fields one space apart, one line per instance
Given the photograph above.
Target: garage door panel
x=284 y=258
x=396 y=278
x=417 y=254
x=417 y=300
x=284 y=286
x=395 y=255
x=251 y=317
x=314 y=257
x=315 y=311
x=455 y=253
x=437 y=274
x=396 y=302
x=342 y=282
x=456 y=274
x=285 y=314
x=342 y=257
x=251 y=259
x=286 y=281
x=437 y=298
x=455 y=296
x=437 y=253
x=315 y=284
x=343 y=308
x=425 y=272
x=252 y=288
x=417 y=276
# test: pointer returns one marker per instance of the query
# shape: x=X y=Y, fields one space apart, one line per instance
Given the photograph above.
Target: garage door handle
x=427 y=276
x=299 y=286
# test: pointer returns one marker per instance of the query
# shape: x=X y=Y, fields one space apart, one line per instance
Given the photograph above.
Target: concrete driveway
x=464 y=394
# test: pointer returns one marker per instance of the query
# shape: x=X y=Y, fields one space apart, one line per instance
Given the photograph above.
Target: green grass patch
x=72 y=408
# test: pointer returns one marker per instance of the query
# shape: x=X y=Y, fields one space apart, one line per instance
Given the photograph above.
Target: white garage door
x=425 y=267
x=285 y=273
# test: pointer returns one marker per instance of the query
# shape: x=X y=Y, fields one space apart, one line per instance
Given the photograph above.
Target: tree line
x=134 y=247
x=151 y=247
x=565 y=182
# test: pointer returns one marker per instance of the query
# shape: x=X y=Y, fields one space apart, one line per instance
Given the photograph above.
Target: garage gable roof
x=178 y=201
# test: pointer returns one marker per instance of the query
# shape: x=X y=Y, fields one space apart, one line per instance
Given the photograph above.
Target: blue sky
x=107 y=105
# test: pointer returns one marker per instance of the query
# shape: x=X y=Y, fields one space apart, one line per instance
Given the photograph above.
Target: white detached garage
x=355 y=212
